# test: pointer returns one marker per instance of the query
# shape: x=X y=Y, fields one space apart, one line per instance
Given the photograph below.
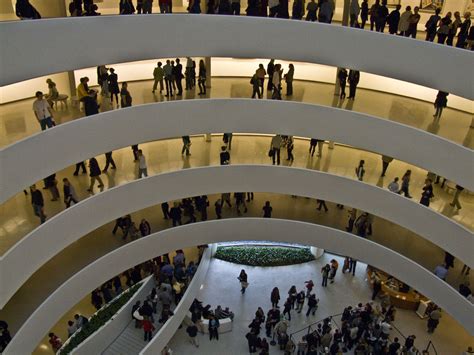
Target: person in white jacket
x=354 y=12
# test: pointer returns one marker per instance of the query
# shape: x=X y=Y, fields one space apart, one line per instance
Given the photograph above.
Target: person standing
x=148 y=328
x=91 y=107
x=352 y=219
x=440 y=103
x=37 y=202
x=373 y=14
x=404 y=24
x=145 y=228
x=275 y=147
x=354 y=11
x=158 y=75
x=413 y=22
x=393 y=20
x=186 y=145
x=213 y=328
x=289 y=80
x=427 y=193
x=267 y=210
x=178 y=77
x=276 y=82
x=125 y=97
x=312 y=304
x=165 y=208
x=376 y=285
x=464 y=30
x=334 y=267
x=51 y=184
x=353 y=78
x=406 y=184
x=94 y=173
x=433 y=319
x=300 y=297
x=243 y=279
x=455 y=202
x=224 y=156
x=364 y=13
x=202 y=77
x=218 y=208
x=381 y=18
x=311 y=9
x=432 y=25
x=325 y=274
x=289 y=149
x=342 y=77
x=261 y=77
x=168 y=74
x=175 y=214
x=113 y=86
x=69 y=193
x=227 y=139
x=386 y=160
x=192 y=331
x=275 y=297
x=270 y=71
x=142 y=166
x=43 y=111
x=352 y=265
x=360 y=171
x=235 y=7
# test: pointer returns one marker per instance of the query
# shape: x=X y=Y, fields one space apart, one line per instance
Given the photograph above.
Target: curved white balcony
x=174 y=119
x=162 y=242
x=68 y=226
x=112 y=39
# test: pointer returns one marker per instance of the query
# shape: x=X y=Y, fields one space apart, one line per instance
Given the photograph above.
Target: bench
x=62 y=98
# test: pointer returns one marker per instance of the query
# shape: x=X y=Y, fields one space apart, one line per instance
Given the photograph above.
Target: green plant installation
x=264 y=255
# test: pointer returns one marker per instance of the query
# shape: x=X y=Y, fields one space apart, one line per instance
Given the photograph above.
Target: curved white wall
x=112 y=39
x=68 y=226
x=78 y=286
x=174 y=119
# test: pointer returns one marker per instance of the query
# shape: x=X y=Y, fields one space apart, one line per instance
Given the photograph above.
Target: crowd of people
x=377 y=15
x=171 y=277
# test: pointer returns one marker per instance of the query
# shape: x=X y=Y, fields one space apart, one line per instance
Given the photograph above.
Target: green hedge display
x=264 y=255
x=100 y=318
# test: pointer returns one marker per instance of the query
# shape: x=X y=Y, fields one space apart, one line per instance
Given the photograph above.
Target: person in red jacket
x=148 y=328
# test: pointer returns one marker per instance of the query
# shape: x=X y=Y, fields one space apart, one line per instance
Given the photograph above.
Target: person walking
x=406 y=184
x=360 y=171
x=79 y=166
x=287 y=308
x=192 y=331
x=386 y=160
x=289 y=79
x=321 y=204
x=243 y=279
x=158 y=76
x=353 y=78
x=275 y=146
x=255 y=82
x=455 y=202
x=261 y=77
x=109 y=160
x=43 y=111
x=142 y=166
x=94 y=174
x=267 y=210
x=37 y=202
x=334 y=266
x=440 y=103
x=148 y=328
x=275 y=297
x=186 y=145
x=202 y=78
x=342 y=77
x=300 y=297
x=69 y=193
x=325 y=274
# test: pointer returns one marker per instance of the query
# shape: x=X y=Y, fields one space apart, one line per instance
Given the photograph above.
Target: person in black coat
x=353 y=78
x=91 y=107
x=393 y=19
x=440 y=103
x=94 y=173
x=113 y=86
x=342 y=77
x=178 y=76
x=25 y=11
x=38 y=203
x=175 y=214
x=381 y=17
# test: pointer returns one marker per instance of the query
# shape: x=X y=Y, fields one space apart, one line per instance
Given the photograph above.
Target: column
x=207 y=62
x=345 y=22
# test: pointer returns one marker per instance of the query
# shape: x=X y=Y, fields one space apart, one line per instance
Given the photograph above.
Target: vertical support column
x=72 y=83
x=207 y=62
x=337 y=87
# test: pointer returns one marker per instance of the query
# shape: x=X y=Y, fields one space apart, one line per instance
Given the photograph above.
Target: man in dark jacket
x=91 y=107
x=94 y=173
x=38 y=203
x=25 y=11
x=381 y=17
x=224 y=156
x=178 y=76
x=393 y=19
x=353 y=78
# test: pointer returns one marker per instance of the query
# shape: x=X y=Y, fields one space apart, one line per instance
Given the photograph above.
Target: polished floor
x=347 y=290
x=17 y=121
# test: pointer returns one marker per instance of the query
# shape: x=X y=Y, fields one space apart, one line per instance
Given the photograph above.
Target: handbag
x=270 y=152
x=244 y=284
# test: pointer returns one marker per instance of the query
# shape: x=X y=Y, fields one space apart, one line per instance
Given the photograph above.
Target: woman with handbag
x=243 y=281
